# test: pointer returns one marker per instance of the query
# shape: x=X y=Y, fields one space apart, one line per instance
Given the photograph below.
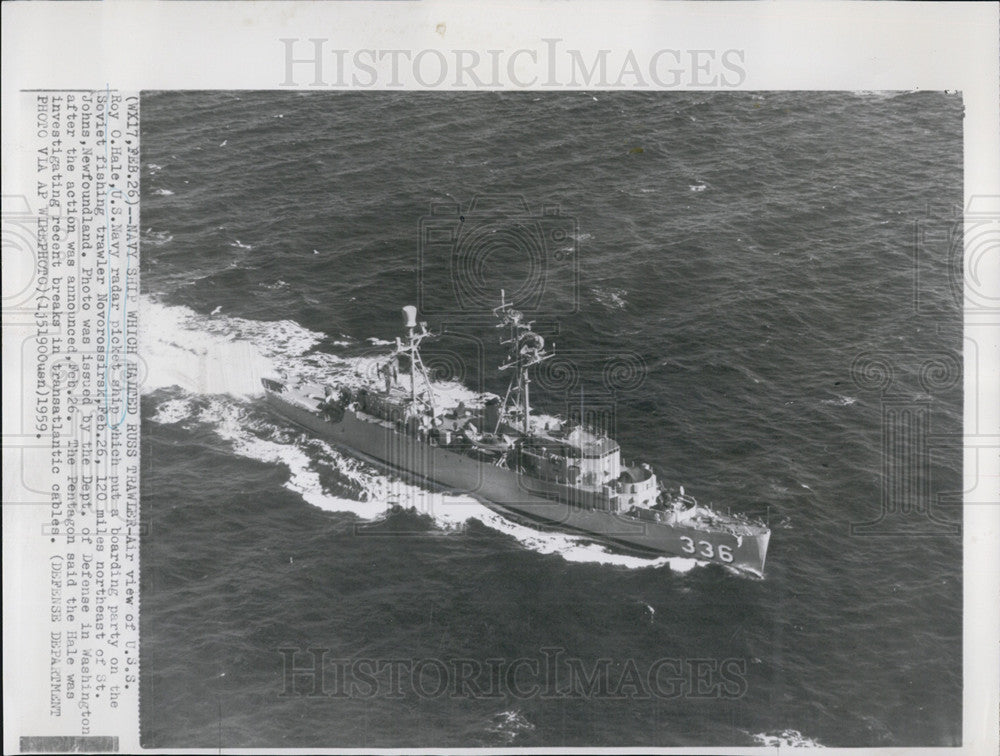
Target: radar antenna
x=412 y=350
x=525 y=350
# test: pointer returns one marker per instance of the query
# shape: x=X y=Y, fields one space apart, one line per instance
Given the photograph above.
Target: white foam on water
x=786 y=739
x=450 y=512
x=157 y=238
x=172 y=411
x=840 y=401
x=163 y=192
x=612 y=298
x=224 y=357
x=509 y=724
x=231 y=423
x=177 y=351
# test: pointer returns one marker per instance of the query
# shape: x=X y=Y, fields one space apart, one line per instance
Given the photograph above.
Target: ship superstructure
x=563 y=474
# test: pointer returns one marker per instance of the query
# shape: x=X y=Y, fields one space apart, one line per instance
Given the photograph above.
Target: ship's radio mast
x=525 y=349
x=412 y=350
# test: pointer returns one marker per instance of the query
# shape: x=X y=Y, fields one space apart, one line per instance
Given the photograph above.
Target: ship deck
x=309 y=396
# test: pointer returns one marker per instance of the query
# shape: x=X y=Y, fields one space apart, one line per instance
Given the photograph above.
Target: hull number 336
x=706 y=550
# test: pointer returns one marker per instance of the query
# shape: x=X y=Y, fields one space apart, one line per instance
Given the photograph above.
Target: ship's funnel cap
x=410 y=315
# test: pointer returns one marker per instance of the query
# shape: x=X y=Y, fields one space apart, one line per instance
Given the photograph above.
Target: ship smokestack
x=410 y=315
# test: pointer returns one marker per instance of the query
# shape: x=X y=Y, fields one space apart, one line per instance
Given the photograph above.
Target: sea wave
x=786 y=739
x=612 y=298
x=508 y=725
x=840 y=401
x=180 y=348
x=172 y=411
x=156 y=238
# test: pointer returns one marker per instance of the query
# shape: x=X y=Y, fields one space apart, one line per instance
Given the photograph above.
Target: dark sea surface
x=743 y=250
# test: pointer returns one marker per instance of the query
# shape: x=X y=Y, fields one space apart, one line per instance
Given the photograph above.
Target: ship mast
x=526 y=350
x=412 y=350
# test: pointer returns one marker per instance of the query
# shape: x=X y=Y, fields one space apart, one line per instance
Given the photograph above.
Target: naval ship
x=564 y=475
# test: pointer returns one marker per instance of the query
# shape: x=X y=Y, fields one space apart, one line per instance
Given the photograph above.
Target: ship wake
x=205 y=370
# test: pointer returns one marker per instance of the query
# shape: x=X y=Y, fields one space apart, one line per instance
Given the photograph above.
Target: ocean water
x=764 y=279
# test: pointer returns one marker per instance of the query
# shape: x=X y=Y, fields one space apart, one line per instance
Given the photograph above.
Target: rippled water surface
x=738 y=251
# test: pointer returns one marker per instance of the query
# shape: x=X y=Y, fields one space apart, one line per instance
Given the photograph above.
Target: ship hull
x=556 y=505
